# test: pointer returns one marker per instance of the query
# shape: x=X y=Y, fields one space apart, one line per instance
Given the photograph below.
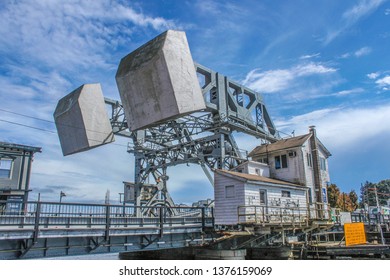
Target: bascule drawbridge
x=173 y=111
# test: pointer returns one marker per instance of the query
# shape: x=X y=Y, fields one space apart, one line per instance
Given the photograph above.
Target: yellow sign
x=354 y=234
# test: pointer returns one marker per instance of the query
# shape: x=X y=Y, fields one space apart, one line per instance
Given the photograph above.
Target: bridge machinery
x=174 y=111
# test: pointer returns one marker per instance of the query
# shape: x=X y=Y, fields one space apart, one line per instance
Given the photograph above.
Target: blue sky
x=323 y=63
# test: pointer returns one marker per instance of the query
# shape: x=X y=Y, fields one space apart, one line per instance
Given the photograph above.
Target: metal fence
x=370 y=219
x=54 y=214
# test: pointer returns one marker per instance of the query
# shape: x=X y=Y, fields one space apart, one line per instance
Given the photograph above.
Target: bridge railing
x=54 y=214
x=370 y=218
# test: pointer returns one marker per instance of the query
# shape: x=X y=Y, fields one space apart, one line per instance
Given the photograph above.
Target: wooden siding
x=292 y=172
x=225 y=210
x=248 y=194
x=274 y=196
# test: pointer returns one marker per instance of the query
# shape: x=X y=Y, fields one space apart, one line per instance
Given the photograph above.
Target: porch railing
x=262 y=214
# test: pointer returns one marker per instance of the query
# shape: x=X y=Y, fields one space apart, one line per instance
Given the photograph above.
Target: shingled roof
x=20 y=147
x=280 y=145
x=285 y=144
x=256 y=178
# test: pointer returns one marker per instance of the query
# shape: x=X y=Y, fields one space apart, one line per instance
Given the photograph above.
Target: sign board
x=324 y=195
x=354 y=234
x=345 y=218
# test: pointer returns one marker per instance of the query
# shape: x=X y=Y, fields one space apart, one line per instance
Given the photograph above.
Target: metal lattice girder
x=207 y=150
x=237 y=106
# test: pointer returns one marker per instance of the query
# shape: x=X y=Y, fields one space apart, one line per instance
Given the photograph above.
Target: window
x=284 y=161
x=229 y=191
x=286 y=194
x=5 y=168
x=262 y=196
x=281 y=161
x=263 y=160
x=323 y=164
x=257 y=170
x=309 y=160
x=277 y=162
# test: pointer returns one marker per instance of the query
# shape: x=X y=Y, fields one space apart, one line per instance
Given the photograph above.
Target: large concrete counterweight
x=82 y=121
x=158 y=81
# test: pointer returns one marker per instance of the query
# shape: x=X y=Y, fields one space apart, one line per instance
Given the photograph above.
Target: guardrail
x=54 y=214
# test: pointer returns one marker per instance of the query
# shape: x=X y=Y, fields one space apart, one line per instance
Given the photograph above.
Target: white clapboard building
x=285 y=182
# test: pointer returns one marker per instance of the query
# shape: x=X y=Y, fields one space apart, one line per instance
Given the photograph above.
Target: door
x=263 y=205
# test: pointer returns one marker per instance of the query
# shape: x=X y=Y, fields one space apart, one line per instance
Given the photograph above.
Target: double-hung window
x=281 y=161
x=5 y=168
x=322 y=164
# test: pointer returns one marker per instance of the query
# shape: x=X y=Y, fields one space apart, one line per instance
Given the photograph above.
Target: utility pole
x=378 y=213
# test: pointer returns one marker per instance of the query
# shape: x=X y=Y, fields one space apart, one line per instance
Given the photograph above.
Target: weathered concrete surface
x=82 y=121
x=158 y=81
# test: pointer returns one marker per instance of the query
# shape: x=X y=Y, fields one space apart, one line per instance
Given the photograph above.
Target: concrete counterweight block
x=82 y=121
x=158 y=81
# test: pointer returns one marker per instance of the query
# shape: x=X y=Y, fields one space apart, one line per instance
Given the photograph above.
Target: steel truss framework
x=203 y=138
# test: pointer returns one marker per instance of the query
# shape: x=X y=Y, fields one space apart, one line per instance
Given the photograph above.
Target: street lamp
x=62 y=194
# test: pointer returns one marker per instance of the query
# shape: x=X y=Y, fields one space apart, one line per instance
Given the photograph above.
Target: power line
x=51 y=131
x=31 y=117
x=52 y=122
x=33 y=127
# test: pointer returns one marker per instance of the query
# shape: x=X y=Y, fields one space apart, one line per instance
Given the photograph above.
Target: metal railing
x=67 y=215
x=279 y=215
x=370 y=219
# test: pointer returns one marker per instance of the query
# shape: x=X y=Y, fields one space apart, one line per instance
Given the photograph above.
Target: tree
x=344 y=202
x=333 y=195
x=383 y=190
x=354 y=200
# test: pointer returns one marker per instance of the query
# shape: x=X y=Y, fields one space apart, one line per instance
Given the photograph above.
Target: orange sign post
x=354 y=234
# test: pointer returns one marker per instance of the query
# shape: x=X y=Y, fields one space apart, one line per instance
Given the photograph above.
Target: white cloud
x=268 y=81
x=362 y=51
x=312 y=69
x=363 y=8
x=346 y=55
x=341 y=127
x=373 y=75
x=352 y=16
x=309 y=56
x=384 y=82
x=280 y=79
x=358 y=53
x=66 y=34
x=387 y=12
x=349 y=92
